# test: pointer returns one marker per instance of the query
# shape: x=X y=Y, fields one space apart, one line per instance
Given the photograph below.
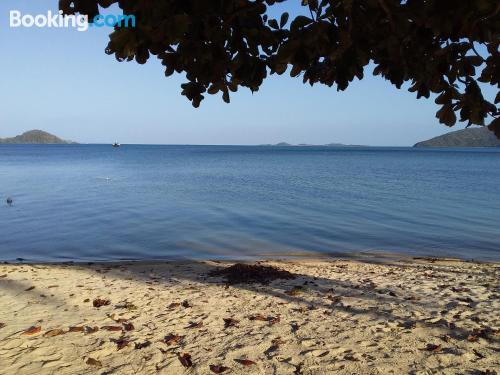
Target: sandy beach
x=332 y=316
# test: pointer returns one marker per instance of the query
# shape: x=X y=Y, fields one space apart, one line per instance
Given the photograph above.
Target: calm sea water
x=94 y=202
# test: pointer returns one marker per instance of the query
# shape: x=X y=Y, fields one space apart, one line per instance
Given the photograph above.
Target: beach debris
x=121 y=343
x=87 y=330
x=185 y=360
x=29 y=289
x=173 y=305
x=93 y=362
x=186 y=304
x=218 y=369
x=76 y=329
x=251 y=273
x=98 y=302
x=54 y=333
x=195 y=324
x=142 y=345
x=172 y=339
x=126 y=305
x=2 y=325
x=32 y=331
x=433 y=348
x=260 y=317
x=245 y=362
x=112 y=328
x=128 y=326
x=10 y=201
x=230 y=322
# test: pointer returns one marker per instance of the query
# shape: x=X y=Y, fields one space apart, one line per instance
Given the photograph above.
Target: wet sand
x=336 y=316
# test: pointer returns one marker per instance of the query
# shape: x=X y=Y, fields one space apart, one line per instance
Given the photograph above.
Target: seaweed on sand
x=251 y=273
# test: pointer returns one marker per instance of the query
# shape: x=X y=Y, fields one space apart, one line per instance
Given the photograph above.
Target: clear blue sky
x=61 y=81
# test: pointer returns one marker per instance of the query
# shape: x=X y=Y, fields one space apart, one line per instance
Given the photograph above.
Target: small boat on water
x=116 y=144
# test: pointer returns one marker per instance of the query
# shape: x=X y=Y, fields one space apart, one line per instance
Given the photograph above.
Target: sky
x=61 y=81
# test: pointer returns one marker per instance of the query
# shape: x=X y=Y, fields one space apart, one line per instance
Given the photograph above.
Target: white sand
x=349 y=317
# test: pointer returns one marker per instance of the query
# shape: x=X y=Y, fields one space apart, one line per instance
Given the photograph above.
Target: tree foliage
x=223 y=44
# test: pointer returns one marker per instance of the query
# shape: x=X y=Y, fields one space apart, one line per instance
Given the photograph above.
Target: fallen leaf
x=121 y=343
x=195 y=324
x=54 y=332
x=142 y=345
x=173 y=305
x=53 y=286
x=112 y=328
x=245 y=362
x=86 y=300
x=258 y=317
x=128 y=327
x=472 y=338
x=126 y=305
x=185 y=359
x=433 y=348
x=171 y=339
x=89 y=330
x=93 y=362
x=32 y=330
x=75 y=329
x=186 y=304
x=230 y=322
x=274 y=319
x=98 y=302
x=218 y=369
x=30 y=288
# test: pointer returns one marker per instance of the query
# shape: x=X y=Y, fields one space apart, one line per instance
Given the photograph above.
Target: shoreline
x=335 y=316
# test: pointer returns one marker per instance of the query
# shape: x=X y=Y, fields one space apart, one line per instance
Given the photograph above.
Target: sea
x=145 y=202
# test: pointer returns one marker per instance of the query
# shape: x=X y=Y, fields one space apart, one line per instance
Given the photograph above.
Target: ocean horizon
x=92 y=202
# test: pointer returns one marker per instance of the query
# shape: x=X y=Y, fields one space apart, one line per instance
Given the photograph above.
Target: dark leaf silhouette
x=76 y=329
x=32 y=331
x=98 y=302
x=142 y=345
x=128 y=326
x=433 y=348
x=245 y=362
x=121 y=343
x=218 y=369
x=30 y=288
x=172 y=339
x=89 y=330
x=195 y=325
x=185 y=360
x=112 y=328
x=54 y=332
x=230 y=322
x=429 y=46
x=93 y=362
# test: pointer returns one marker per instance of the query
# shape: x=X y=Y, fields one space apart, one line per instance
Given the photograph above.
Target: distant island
x=35 y=137
x=472 y=137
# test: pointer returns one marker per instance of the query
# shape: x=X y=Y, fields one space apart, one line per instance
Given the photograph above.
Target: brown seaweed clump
x=240 y=273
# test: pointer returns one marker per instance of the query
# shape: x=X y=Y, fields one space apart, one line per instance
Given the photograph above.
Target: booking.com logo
x=60 y=20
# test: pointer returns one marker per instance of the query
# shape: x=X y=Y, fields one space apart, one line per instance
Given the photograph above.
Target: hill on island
x=471 y=137
x=35 y=137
